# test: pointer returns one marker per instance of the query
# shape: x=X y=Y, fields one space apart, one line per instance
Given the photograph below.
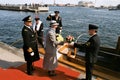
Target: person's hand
x=29 y=50
x=60 y=28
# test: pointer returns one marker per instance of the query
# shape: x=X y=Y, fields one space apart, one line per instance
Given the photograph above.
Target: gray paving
x=10 y=56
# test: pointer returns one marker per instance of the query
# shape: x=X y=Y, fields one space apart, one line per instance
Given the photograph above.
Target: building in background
x=85 y=4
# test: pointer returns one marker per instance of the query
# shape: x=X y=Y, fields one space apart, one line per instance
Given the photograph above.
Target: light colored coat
x=50 y=58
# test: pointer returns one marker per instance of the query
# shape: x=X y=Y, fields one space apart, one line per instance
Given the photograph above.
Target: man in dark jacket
x=92 y=49
x=58 y=19
x=38 y=29
x=30 y=44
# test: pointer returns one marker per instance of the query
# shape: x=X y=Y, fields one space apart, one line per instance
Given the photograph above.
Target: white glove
x=72 y=43
x=32 y=53
x=52 y=14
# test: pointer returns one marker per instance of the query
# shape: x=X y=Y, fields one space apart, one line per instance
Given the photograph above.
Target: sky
x=97 y=2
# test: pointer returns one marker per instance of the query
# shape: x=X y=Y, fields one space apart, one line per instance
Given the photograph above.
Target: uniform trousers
x=89 y=70
x=29 y=67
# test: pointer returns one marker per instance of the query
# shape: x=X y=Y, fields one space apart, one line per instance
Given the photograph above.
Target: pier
x=27 y=8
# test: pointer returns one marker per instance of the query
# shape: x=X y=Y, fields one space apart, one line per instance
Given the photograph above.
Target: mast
x=54 y=3
x=95 y=3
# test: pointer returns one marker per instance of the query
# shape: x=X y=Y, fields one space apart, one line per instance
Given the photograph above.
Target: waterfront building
x=85 y=4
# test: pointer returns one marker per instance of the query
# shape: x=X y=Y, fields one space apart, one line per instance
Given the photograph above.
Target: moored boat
x=108 y=60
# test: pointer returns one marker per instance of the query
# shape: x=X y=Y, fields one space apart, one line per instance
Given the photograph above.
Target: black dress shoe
x=51 y=73
x=33 y=68
x=83 y=79
x=30 y=73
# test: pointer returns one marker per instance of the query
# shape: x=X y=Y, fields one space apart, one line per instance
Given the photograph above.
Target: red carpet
x=63 y=73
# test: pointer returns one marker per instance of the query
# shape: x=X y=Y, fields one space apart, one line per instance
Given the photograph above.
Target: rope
x=16 y=42
x=80 y=36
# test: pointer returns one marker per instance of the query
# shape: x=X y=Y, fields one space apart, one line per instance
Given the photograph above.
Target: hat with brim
x=37 y=18
x=56 y=12
x=27 y=19
x=91 y=26
x=53 y=22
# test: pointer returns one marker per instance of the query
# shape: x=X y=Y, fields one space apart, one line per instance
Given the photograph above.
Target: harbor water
x=75 y=22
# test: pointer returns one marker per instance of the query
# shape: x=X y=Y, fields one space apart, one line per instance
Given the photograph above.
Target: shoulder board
x=25 y=30
x=87 y=43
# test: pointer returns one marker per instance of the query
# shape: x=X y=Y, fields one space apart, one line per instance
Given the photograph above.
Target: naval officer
x=29 y=44
x=38 y=28
x=91 y=48
x=58 y=19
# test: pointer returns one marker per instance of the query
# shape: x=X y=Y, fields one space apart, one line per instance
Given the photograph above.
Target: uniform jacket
x=50 y=58
x=39 y=28
x=29 y=41
x=91 y=48
x=59 y=20
x=39 y=31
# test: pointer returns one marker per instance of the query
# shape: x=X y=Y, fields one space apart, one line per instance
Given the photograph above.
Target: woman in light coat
x=50 y=58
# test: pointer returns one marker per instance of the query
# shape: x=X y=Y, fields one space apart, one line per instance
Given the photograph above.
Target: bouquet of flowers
x=70 y=39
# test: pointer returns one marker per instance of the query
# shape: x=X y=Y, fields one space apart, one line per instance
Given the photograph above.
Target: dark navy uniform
x=30 y=45
x=58 y=20
x=92 y=49
x=38 y=28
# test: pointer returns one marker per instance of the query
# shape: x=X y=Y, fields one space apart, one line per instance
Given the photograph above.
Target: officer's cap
x=37 y=18
x=91 y=26
x=27 y=19
x=56 y=12
x=53 y=22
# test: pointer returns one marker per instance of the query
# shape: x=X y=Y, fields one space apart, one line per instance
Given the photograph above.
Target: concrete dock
x=10 y=56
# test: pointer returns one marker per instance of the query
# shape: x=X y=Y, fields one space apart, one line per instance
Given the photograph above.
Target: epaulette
x=25 y=30
x=49 y=16
x=87 y=43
